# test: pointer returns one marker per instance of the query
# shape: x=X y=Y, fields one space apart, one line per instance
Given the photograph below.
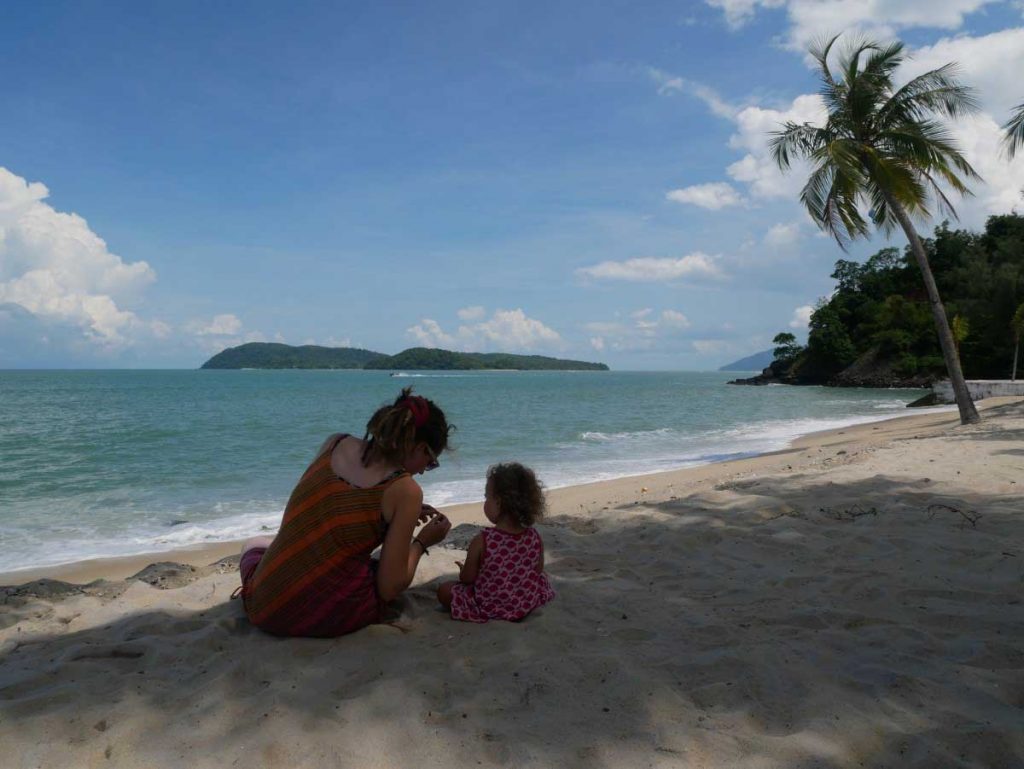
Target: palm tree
x=1017 y=326
x=883 y=147
x=1014 y=128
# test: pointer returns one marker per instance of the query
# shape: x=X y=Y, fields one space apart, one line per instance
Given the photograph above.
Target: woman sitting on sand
x=316 y=577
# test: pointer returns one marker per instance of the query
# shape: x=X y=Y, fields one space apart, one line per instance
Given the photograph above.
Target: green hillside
x=263 y=355
x=273 y=355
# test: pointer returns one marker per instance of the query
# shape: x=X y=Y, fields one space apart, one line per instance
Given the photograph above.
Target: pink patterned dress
x=508 y=585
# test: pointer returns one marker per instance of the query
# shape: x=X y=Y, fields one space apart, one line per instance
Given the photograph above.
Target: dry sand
x=853 y=601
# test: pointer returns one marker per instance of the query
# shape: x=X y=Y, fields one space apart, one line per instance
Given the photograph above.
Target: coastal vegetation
x=882 y=149
x=276 y=355
x=427 y=358
x=266 y=355
x=876 y=328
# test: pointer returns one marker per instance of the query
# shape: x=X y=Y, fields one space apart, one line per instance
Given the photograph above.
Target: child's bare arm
x=540 y=561
x=471 y=568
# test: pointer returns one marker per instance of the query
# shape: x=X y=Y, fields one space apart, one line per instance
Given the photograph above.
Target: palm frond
x=934 y=92
x=830 y=197
x=884 y=61
x=1014 y=128
x=795 y=140
x=881 y=147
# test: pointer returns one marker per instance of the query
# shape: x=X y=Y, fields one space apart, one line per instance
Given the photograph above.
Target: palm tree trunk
x=968 y=413
x=1016 y=349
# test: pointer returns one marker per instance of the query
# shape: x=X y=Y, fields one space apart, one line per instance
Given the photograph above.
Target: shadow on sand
x=754 y=626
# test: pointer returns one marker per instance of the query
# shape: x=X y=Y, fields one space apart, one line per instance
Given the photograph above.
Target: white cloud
x=55 y=267
x=674 y=84
x=810 y=19
x=471 y=313
x=1001 y=191
x=428 y=333
x=674 y=319
x=512 y=330
x=801 y=317
x=739 y=12
x=221 y=325
x=713 y=196
x=988 y=62
x=220 y=332
x=653 y=269
x=754 y=126
x=643 y=332
x=783 y=235
x=505 y=331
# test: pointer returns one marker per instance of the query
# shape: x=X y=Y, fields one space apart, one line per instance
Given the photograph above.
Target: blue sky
x=576 y=179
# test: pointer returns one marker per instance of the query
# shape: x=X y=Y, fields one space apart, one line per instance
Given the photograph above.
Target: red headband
x=418 y=408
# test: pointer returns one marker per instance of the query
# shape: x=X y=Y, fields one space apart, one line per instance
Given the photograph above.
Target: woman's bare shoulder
x=330 y=438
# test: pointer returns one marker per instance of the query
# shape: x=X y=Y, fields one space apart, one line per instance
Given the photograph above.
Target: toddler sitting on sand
x=503 y=576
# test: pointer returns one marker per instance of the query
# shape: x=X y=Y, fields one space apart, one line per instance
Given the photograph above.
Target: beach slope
x=853 y=601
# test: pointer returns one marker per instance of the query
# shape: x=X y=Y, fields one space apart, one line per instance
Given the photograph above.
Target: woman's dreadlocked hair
x=393 y=431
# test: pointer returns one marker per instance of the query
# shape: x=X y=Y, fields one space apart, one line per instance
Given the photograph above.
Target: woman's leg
x=444 y=594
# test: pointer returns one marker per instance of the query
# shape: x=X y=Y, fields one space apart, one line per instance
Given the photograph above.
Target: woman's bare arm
x=399 y=558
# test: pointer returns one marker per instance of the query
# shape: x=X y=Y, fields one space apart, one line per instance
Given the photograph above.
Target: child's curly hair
x=519 y=493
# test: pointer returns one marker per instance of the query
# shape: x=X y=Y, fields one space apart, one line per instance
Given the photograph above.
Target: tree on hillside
x=1014 y=127
x=1017 y=326
x=786 y=347
x=883 y=147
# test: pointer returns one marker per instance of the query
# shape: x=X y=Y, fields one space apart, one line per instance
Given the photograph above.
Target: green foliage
x=1017 y=323
x=282 y=356
x=879 y=306
x=786 y=347
x=424 y=358
x=881 y=147
x=1014 y=128
x=274 y=355
x=828 y=343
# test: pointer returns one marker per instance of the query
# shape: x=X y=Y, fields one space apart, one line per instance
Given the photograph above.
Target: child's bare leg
x=444 y=594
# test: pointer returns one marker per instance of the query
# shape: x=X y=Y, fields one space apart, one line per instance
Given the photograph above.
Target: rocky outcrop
x=871 y=370
x=766 y=377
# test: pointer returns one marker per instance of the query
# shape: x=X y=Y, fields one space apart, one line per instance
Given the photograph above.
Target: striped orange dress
x=316 y=578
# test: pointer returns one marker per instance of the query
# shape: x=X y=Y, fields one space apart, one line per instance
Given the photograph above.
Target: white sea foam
x=87 y=545
x=124 y=505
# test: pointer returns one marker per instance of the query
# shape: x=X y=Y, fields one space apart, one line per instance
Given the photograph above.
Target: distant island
x=756 y=362
x=271 y=355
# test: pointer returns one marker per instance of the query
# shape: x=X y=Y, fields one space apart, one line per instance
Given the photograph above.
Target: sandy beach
x=852 y=601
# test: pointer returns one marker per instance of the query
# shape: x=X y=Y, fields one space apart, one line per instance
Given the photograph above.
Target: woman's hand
x=427 y=512
x=434 y=531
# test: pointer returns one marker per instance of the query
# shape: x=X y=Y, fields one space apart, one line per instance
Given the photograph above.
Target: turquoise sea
x=105 y=463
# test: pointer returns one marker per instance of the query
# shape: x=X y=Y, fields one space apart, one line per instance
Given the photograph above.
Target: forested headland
x=876 y=329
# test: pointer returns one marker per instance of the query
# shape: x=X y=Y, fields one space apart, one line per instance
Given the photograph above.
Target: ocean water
x=105 y=463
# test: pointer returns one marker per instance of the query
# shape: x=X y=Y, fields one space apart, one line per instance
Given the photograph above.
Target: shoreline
x=850 y=601
x=656 y=487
